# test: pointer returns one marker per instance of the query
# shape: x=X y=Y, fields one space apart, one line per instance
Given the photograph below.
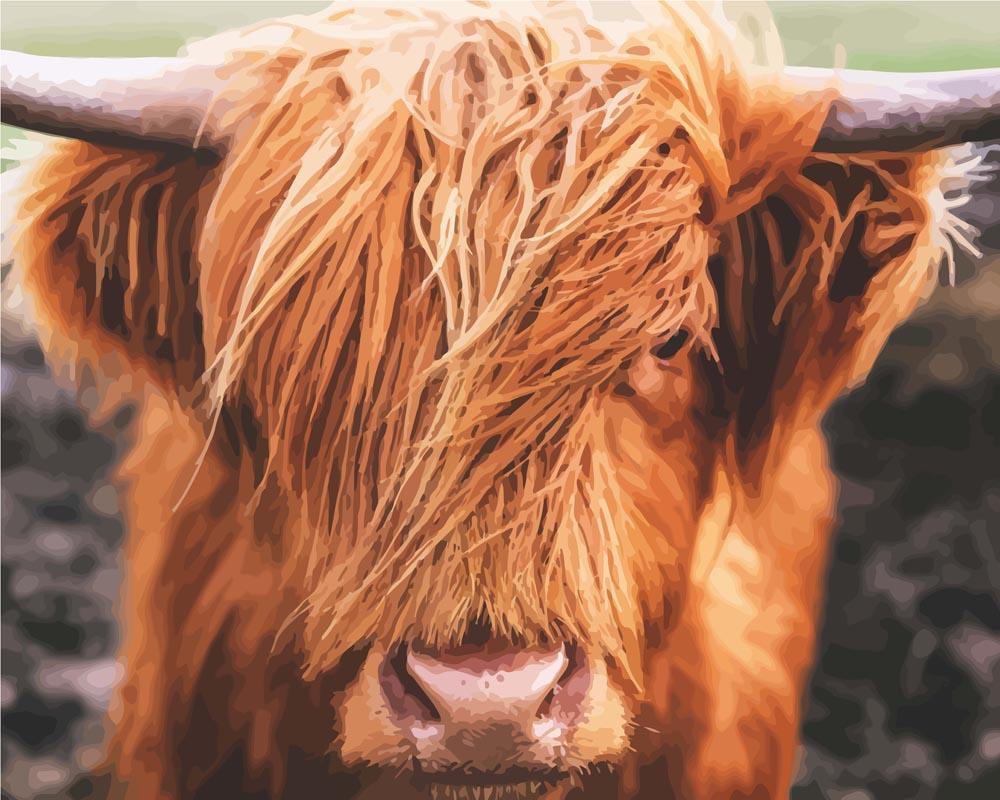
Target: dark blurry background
x=905 y=701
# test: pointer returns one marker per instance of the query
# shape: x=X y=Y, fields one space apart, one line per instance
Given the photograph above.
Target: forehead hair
x=439 y=237
x=466 y=171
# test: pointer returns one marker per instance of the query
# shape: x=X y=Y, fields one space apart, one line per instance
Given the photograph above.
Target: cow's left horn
x=900 y=111
x=140 y=102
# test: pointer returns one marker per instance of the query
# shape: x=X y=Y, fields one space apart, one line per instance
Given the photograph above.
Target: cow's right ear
x=105 y=243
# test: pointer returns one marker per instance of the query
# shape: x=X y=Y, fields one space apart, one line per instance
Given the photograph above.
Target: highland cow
x=479 y=356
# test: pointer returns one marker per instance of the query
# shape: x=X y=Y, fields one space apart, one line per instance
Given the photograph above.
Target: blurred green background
x=875 y=35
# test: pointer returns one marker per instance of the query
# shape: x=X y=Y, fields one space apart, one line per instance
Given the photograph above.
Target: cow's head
x=509 y=332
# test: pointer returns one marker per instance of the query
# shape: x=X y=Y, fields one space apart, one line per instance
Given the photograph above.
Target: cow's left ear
x=105 y=248
x=813 y=277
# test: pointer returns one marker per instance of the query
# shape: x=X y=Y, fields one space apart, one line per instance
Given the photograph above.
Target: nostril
x=546 y=706
x=566 y=703
x=572 y=665
x=404 y=694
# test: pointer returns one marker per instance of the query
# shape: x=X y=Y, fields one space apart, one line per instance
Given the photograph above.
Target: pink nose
x=492 y=684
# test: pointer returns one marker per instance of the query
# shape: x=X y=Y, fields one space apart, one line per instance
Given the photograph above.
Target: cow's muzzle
x=532 y=693
x=487 y=720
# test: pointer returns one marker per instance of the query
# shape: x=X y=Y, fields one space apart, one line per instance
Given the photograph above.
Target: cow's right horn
x=160 y=103
x=905 y=111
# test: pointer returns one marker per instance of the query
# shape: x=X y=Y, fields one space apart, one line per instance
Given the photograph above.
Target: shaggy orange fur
x=391 y=363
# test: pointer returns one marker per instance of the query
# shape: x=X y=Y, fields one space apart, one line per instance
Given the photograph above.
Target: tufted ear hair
x=813 y=278
x=106 y=230
x=104 y=247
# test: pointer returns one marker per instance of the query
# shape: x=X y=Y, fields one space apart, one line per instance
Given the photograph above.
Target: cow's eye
x=670 y=347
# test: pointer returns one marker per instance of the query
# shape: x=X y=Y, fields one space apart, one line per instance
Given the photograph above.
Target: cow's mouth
x=513 y=784
x=525 y=790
